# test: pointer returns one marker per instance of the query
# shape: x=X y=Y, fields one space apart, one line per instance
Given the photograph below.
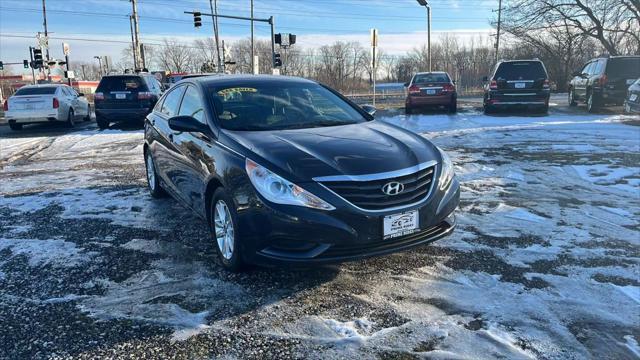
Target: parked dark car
x=517 y=84
x=285 y=170
x=632 y=102
x=429 y=89
x=125 y=98
x=604 y=81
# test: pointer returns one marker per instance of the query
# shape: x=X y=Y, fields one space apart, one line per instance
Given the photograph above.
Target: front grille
x=368 y=195
x=419 y=237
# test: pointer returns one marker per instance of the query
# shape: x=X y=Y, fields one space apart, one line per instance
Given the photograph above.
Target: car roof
x=125 y=75
x=518 y=60
x=431 y=72
x=43 y=86
x=240 y=79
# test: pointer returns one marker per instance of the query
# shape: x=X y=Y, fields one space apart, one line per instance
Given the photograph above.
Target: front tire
x=71 y=122
x=408 y=110
x=15 y=127
x=153 y=182
x=572 y=98
x=224 y=225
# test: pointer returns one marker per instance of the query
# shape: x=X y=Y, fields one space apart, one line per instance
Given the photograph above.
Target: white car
x=46 y=103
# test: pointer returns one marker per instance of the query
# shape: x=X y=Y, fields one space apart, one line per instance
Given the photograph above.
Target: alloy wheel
x=224 y=231
x=151 y=173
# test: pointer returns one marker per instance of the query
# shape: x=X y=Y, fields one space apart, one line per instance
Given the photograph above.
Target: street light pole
x=253 y=66
x=425 y=3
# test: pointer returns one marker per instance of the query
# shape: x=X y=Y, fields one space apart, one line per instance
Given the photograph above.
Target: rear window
x=624 y=67
x=121 y=83
x=430 y=78
x=36 y=91
x=520 y=70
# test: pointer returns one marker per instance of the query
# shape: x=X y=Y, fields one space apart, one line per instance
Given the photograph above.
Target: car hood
x=366 y=148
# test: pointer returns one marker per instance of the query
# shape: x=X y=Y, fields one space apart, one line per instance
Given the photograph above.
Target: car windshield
x=121 y=83
x=628 y=68
x=520 y=70
x=50 y=90
x=281 y=105
x=430 y=78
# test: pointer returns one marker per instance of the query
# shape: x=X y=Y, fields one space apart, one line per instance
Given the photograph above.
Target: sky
x=101 y=27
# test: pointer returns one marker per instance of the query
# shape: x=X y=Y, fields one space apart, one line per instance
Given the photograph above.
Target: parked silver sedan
x=46 y=103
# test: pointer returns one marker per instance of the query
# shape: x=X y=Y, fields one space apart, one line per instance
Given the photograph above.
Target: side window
x=72 y=92
x=585 y=69
x=600 y=66
x=63 y=91
x=171 y=102
x=192 y=104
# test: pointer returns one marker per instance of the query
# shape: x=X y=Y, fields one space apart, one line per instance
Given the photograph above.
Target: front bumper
x=277 y=234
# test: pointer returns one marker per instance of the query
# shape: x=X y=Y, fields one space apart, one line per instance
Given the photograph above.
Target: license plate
x=121 y=96
x=400 y=224
x=520 y=85
x=29 y=107
x=633 y=97
x=431 y=92
x=630 y=81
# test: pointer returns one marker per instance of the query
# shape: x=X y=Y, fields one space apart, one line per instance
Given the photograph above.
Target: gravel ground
x=544 y=263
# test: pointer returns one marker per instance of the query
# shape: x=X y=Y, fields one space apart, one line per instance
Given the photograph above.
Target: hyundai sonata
x=286 y=170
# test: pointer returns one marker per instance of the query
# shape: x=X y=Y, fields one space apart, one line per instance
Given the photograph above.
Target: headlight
x=447 y=171
x=280 y=191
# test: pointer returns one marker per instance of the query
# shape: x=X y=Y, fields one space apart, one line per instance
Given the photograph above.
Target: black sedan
x=285 y=170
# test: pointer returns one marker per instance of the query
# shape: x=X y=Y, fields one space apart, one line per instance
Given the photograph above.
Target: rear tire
x=572 y=98
x=408 y=110
x=102 y=122
x=71 y=121
x=593 y=103
x=453 y=107
x=224 y=225
x=15 y=127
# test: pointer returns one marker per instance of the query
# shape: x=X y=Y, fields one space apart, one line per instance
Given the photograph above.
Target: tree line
x=562 y=33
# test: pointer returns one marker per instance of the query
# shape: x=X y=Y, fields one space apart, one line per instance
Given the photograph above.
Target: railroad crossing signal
x=277 y=61
x=197 y=19
x=37 y=58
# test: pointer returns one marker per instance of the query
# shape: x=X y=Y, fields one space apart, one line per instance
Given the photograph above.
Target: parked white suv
x=45 y=103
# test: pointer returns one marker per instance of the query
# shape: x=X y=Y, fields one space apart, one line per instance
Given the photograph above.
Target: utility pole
x=252 y=46
x=46 y=32
x=498 y=30
x=133 y=43
x=136 y=36
x=99 y=65
x=214 y=10
x=84 y=76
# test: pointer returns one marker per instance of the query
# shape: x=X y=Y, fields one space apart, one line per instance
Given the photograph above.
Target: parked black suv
x=127 y=98
x=604 y=81
x=517 y=83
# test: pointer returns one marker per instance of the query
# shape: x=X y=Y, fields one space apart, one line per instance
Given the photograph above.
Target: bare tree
x=614 y=24
x=175 y=56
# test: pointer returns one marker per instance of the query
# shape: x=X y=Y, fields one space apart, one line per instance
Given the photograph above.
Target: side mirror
x=454 y=82
x=406 y=84
x=184 y=123
x=485 y=79
x=80 y=94
x=371 y=110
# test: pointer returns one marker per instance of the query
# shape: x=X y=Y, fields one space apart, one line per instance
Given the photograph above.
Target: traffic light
x=276 y=60
x=37 y=58
x=1 y=65
x=25 y=63
x=197 y=19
